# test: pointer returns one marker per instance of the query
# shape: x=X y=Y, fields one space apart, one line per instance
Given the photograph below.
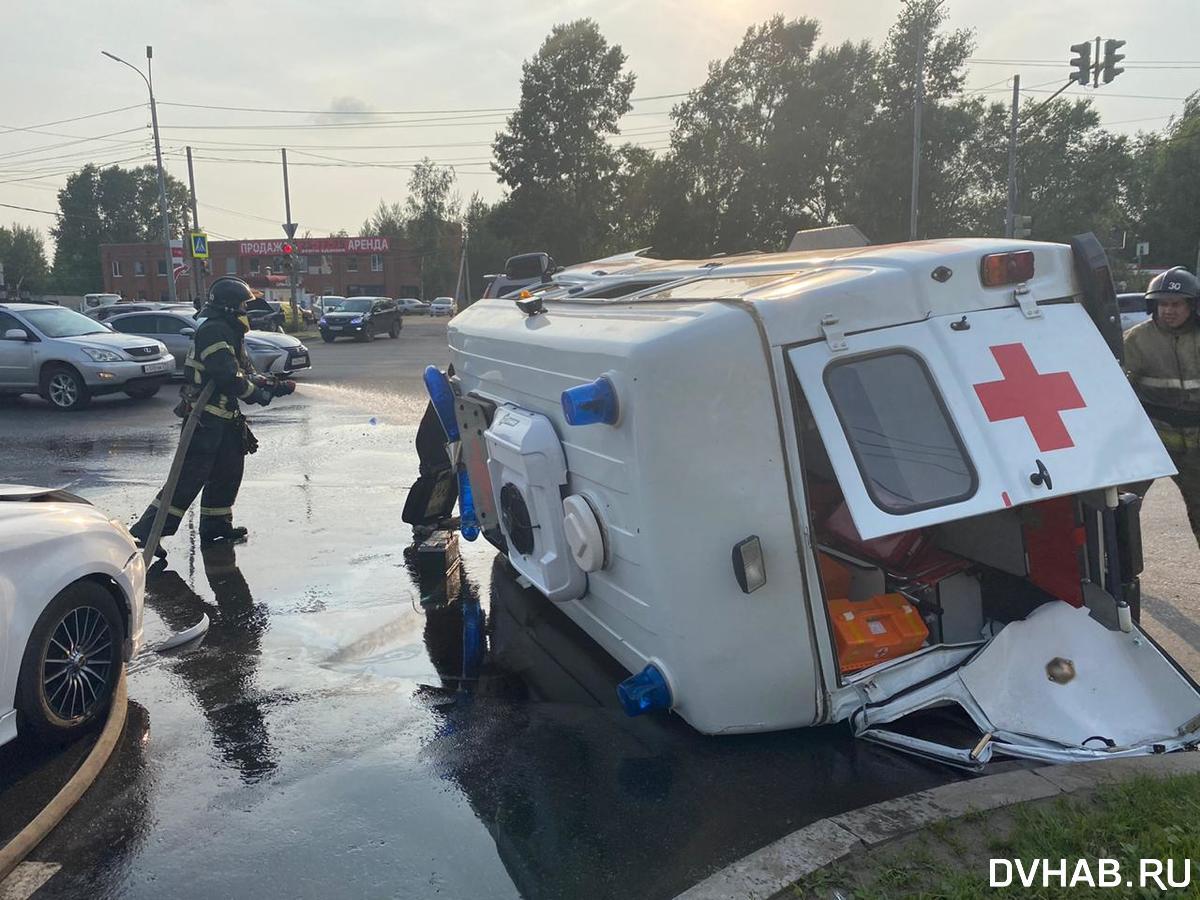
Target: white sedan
x=72 y=583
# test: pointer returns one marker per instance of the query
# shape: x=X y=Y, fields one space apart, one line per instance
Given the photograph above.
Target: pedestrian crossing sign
x=199 y=245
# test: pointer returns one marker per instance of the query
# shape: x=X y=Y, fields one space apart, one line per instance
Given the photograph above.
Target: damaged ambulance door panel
x=963 y=415
x=1056 y=686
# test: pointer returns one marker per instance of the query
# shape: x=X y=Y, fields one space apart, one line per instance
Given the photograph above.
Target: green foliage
x=108 y=206
x=1165 y=190
x=554 y=153
x=24 y=259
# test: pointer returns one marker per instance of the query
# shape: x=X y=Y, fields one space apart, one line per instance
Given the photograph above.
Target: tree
x=489 y=245
x=24 y=259
x=878 y=183
x=1166 y=193
x=554 y=153
x=112 y=205
x=748 y=179
x=388 y=220
x=431 y=213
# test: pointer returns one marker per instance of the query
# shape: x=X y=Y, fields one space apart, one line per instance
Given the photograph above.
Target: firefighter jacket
x=1163 y=365
x=219 y=355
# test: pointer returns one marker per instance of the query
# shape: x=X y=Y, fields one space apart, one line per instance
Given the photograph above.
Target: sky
x=445 y=73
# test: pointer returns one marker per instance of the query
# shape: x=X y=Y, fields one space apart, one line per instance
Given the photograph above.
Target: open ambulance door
x=960 y=416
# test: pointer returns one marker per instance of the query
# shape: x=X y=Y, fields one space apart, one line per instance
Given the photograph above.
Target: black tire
x=394 y=331
x=327 y=338
x=57 y=701
x=143 y=391
x=63 y=388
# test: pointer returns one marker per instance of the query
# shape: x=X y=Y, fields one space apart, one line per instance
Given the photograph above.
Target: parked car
x=262 y=315
x=362 y=318
x=284 y=311
x=68 y=358
x=271 y=353
x=326 y=304
x=411 y=306
x=71 y=603
x=442 y=306
x=1133 y=310
x=104 y=313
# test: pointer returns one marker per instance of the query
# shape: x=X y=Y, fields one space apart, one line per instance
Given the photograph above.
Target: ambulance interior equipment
x=881 y=485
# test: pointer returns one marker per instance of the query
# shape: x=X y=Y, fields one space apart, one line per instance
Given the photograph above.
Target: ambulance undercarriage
x=859 y=486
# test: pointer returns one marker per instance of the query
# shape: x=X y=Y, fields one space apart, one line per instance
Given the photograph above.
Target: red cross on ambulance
x=1024 y=393
x=953 y=416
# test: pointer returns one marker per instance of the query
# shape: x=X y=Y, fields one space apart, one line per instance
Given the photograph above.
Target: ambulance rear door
x=961 y=415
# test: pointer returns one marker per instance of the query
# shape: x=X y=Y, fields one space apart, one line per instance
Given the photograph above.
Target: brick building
x=380 y=266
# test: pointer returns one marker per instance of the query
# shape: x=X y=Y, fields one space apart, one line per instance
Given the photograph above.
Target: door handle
x=1042 y=476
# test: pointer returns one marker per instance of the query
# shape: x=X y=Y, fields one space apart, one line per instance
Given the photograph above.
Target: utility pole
x=1009 y=218
x=162 y=183
x=197 y=264
x=289 y=228
x=918 y=107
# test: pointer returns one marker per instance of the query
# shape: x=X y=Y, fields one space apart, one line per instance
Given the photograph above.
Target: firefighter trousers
x=212 y=468
x=1183 y=444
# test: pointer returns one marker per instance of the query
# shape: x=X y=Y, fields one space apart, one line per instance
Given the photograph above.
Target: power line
x=373 y=112
x=77 y=140
x=95 y=115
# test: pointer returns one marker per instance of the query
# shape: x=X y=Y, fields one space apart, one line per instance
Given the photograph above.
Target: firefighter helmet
x=229 y=292
x=1176 y=283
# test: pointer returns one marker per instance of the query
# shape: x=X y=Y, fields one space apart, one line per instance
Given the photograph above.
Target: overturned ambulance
x=847 y=485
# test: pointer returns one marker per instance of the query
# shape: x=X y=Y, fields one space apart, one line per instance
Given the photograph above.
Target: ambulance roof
x=861 y=287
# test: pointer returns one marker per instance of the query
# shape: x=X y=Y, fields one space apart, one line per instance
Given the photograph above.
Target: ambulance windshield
x=905 y=445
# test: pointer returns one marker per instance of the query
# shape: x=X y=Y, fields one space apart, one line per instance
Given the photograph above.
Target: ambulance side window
x=907 y=449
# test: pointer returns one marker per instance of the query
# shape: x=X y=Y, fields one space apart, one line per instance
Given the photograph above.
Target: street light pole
x=162 y=182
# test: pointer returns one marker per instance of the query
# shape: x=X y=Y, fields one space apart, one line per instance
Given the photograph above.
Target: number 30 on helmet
x=1176 y=283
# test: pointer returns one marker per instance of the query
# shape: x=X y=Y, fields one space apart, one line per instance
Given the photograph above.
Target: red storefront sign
x=315 y=246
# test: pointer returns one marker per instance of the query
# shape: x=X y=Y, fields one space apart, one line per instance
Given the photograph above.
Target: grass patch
x=1145 y=818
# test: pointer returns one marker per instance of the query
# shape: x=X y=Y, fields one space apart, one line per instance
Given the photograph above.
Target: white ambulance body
x=774 y=412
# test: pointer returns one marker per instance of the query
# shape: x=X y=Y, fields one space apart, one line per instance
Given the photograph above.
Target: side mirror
x=16 y=334
x=187 y=332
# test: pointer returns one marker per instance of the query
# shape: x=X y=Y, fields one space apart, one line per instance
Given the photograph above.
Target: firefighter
x=1162 y=358
x=214 y=460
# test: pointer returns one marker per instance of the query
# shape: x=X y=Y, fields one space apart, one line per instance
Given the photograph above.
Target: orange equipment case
x=874 y=630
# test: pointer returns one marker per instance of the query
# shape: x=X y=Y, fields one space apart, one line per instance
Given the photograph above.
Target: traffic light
x=289 y=255
x=1022 y=226
x=1111 y=58
x=1081 y=62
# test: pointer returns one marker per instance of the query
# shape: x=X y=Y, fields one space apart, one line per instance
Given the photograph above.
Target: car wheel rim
x=62 y=390
x=77 y=666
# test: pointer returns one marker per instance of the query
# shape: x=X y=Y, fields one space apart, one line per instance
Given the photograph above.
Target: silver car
x=68 y=358
x=270 y=353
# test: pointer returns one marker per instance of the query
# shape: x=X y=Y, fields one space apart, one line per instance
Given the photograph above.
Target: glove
x=263 y=397
x=283 y=388
x=258 y=380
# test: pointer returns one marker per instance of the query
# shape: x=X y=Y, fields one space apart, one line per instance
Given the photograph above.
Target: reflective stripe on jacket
x=217 y=354
x=1163 y=365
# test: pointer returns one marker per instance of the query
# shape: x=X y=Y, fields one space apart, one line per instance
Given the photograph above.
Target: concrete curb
x=768 y=871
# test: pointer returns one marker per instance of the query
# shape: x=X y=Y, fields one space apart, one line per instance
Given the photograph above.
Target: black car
x=362 y=318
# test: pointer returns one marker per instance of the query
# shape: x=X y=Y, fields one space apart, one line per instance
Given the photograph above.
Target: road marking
x=27 y=878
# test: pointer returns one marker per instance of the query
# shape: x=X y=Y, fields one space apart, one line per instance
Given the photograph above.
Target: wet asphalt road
x=349 y=730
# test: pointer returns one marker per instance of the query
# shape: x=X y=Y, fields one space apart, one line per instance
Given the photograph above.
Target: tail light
x=997 y=269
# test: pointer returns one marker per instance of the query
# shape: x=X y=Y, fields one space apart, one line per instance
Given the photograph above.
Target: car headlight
x=257 y=345
x=357 y=320
x=99 y=354
x=322 y=322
